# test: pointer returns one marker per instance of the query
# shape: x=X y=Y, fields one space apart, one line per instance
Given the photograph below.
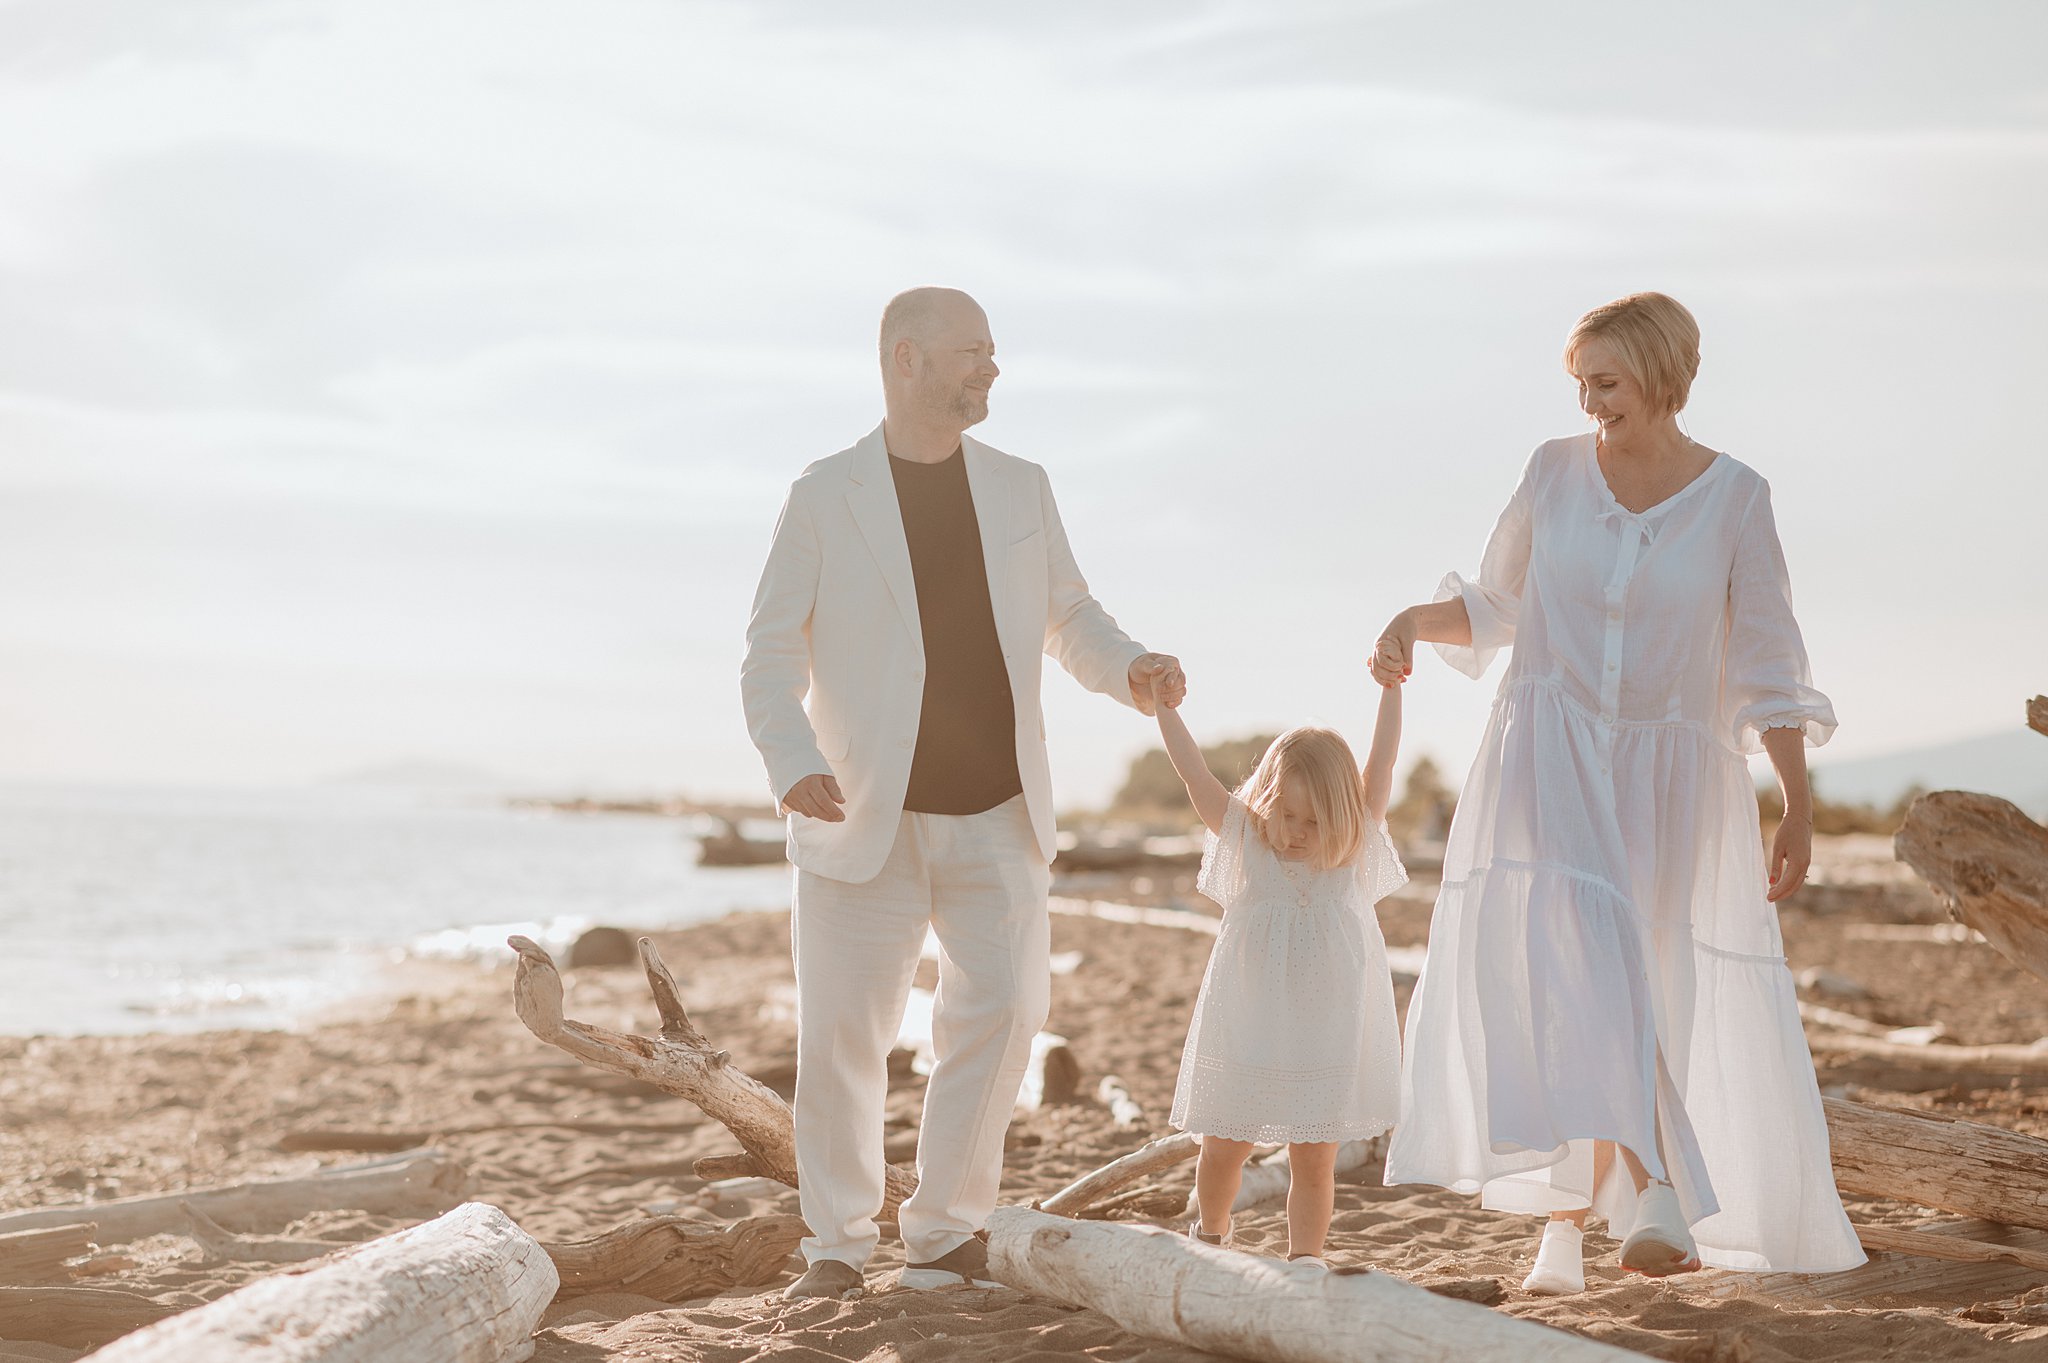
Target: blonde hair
x=1656 y=338
x=1320 y=762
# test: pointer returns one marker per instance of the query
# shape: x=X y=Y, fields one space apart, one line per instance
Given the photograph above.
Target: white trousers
x=980 y=882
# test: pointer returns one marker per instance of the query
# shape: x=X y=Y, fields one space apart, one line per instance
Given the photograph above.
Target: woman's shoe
x=1312 y=1260
x=1660 y=1244
x=1560 y=1261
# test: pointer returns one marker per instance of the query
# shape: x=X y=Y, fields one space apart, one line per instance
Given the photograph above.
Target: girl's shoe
x=1660 y=1244
x=1560 y=1261
x=1312 y=1260
x=1222 y=1239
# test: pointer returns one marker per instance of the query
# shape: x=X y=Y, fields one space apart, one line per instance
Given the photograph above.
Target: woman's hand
x=1791 y=854
x=1393 y=657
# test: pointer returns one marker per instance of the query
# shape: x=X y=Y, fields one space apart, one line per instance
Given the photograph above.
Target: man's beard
x=964 y=405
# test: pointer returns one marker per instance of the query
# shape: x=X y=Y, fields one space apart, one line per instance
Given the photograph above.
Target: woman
x=1606 y=1021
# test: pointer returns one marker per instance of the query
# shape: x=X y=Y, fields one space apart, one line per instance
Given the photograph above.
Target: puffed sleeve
x=1766 y=683
x=1380 y=871
x=1494 y=598
x=1222 y=877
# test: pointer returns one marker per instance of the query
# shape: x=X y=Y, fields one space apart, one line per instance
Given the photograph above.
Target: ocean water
x=141 y=910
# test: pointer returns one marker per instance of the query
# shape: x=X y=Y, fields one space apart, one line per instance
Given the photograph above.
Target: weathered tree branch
x=1112 y=1178
x=679 y=1061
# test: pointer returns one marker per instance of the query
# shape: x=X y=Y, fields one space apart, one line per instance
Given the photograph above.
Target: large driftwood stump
x=671 y=1258
x=1939 y=1161
x=1989 y=864
x=1157 y=1283
x=679 y=1061
x=423 y=1183
x=467 y=1287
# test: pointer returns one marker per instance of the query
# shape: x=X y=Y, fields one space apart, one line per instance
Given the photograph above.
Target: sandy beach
x=569 y=1152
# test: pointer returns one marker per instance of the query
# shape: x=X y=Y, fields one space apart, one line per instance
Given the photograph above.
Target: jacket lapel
x=991 y=492
x=871 y=497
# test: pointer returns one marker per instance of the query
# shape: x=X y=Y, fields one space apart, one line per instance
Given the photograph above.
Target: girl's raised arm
x=1211 y=799
x=1386 y=746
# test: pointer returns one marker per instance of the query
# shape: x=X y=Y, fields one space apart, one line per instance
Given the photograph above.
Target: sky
x=419 y=382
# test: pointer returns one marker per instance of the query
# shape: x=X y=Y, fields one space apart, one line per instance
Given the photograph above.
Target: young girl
x=1294 y=1036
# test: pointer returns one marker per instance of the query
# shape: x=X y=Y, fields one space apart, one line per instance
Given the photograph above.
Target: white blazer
x=835 y=618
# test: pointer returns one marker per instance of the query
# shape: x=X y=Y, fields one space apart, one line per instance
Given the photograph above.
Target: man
x=913 y=583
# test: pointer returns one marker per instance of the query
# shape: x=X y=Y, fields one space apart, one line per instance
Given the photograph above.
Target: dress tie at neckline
x=1639 y=519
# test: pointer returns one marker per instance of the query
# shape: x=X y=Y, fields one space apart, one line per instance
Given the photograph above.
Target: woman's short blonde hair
x=1319 y=763
x=1656 y=338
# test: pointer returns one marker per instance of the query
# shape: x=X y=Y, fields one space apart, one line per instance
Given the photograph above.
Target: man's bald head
x=919 y=315
x=938 y=362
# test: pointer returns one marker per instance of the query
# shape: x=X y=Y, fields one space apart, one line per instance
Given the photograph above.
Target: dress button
x=1611 y=667
x=903 y=742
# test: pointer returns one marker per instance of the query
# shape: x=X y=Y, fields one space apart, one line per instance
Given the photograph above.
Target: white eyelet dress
x=1294 y=1036
x=1603 y=963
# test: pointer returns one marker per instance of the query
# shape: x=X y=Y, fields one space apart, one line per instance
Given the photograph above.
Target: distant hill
x=2012 y=764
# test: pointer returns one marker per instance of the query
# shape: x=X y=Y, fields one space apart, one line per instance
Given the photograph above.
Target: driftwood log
x=1877 y=1063
x=1989 y=864
x=76 y=1317
x=31 y=1256
x=423 y=1183
x=1118 y=1174
x=671 y=1258
x=679 y=1061
x=467 y=1287
x=1156 y=1283
x=1939 y=1161
x=2037 y=714
x=1928 y=1245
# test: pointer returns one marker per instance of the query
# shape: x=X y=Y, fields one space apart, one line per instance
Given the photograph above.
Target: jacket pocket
x=832 y=746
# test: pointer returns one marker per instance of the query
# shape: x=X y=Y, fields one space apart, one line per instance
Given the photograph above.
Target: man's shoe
x=965 y=1263
x=825 y=1278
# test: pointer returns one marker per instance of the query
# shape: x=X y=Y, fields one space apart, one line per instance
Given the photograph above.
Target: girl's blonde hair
x=1320 y=764
x=1657 y=339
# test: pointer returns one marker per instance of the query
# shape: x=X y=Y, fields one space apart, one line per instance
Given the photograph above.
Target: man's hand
x=816 y=797
x=1156 y=680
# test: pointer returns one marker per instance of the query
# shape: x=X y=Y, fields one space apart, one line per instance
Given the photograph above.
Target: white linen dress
x=1294 y=1036
x=1602 y=957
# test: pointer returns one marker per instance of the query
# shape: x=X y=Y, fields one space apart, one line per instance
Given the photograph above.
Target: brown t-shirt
x=966 y=758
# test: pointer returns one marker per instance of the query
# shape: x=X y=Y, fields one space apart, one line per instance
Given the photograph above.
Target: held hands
x=1393 y=657
x=816 y=797
x=1791 y=854
x=1156 y=680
